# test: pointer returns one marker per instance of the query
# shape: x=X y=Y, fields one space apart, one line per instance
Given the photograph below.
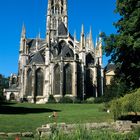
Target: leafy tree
x=124 y=47
x=115 y=90
x=4 y=83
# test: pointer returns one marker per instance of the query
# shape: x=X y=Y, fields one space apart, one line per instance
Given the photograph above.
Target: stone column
x=51 y=78
x=95 y=80
x=47 y=74
x=83 y=81
x=21 y=84
x=25 y=81
x=47 y=82
x=102 y=81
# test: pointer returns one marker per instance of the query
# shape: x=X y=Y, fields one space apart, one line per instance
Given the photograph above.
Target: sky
x=98 y=14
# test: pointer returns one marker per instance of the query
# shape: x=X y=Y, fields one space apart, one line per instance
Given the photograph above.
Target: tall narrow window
x=39 y=82
x=57 y=80
x=29 y=83
x=67 y=79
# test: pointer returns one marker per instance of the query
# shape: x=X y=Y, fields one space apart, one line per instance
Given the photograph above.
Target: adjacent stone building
x=59 y=64
x=109 y=72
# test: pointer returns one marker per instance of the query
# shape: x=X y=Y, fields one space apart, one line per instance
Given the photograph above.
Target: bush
x=126 y=104
x=99 y=100
x=2 y=98
x=90 y=100
x=116 y=109
x=77 y=101
x=51 y=99
x=65 y=99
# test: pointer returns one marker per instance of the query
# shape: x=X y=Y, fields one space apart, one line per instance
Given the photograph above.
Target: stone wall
x=118 y=126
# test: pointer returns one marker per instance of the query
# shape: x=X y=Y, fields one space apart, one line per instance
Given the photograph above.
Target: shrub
x=51 y=99
x=77 y=101
x=65 y=99
x=90 y=100
x=99 y=100
x=2 y=98
x=116 y=109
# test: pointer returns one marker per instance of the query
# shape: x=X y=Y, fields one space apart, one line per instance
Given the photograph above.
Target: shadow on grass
x=133 y=118
x=6 y=109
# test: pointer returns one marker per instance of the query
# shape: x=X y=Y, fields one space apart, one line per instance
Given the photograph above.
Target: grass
x=23 y=117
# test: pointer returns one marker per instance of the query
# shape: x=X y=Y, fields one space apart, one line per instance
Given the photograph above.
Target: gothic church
x=58 y=65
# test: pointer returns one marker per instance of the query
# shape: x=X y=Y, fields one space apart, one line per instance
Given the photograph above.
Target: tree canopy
x=4 y=83
x=124 y=46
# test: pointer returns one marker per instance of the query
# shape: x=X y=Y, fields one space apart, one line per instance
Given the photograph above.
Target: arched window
x=57 y=80
x=59 y=21
x=67 y=79
x=39 y=82
x=29 y=83
x=12 y=96
x=54 y=23
x=13 y=80
x=89 y=59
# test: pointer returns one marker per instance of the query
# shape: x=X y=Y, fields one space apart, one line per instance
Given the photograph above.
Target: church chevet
x=58 y=65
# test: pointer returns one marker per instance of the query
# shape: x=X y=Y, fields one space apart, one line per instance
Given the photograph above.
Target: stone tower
x=56 y=14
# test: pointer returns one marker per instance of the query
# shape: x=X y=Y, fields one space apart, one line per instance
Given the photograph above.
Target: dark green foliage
x=116 y=109
x=90 y=100
x=124 y=47
x=51 y=99
x=4 y=83
x=126 y=104
x=65 y=99
x=115 y=90
x=137 y=131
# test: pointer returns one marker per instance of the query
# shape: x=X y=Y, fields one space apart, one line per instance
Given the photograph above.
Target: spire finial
x=82 y=38
x=82 y=29
x=38 y=36
x=90 y=32
x=91 y=45
x=23 y=32
x=75 y=35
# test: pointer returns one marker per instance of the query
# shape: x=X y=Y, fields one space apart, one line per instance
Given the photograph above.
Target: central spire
x=56 y=13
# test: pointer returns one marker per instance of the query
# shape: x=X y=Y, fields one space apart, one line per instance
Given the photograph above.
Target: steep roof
x=110 y=67
x=32 y=42
x=62 y=30
x=37 y=59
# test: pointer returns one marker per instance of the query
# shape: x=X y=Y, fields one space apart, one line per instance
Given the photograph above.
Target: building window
x=29 y=83
x=12 y=96
x=39 y=82
x=67 y=79
x=57 y=80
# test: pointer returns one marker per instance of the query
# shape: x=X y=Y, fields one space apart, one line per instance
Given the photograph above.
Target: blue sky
x=13 y=13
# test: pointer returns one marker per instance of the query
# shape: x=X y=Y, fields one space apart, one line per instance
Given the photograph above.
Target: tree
x=4 y=83
x=124 y=47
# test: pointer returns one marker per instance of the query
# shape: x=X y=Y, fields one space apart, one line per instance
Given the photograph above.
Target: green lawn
x=27 y=117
